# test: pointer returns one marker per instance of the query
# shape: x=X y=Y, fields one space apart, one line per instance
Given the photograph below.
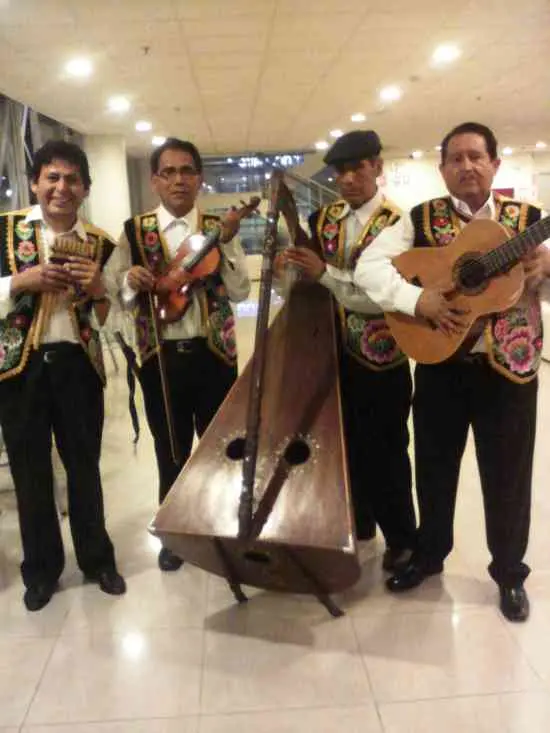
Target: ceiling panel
x=239 y=75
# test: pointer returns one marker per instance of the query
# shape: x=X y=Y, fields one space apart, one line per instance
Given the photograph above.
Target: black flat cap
x=355 y=145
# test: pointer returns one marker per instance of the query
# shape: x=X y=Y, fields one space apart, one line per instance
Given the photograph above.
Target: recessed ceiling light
x=507 y=151
x=358 y=117
x=330 y=179
x=158 y=140
x=445 y=54
x=118 y=104
x=229 y=160
x=80 y=68
x=336 y=133
x=143 y=126
x=438 y=148
x=416 y=154
x=540 y=145
x=321 y=145
x=390 y=94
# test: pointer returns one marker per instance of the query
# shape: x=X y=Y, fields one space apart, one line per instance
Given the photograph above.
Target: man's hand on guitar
x=140 y=279
x=307 y=262
x=434 y=307
x=535 y=266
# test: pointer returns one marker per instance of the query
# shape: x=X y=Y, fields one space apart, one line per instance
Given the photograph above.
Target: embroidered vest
x=513 y=337
x=366 y=337
x=149 y=248
x=19 y=250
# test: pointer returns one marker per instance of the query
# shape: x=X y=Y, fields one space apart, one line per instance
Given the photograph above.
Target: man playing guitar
x=493 y=388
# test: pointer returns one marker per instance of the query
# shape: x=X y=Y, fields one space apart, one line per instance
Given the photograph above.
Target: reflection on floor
x=176 y=655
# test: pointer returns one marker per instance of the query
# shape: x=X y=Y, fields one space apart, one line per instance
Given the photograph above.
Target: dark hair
x=472 y=127
x=61 y=150
x=173 y=143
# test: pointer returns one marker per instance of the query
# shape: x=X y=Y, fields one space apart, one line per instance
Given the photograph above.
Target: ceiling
x=264 y=75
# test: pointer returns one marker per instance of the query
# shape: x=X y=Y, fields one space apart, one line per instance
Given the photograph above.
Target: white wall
x=109 y=199
x=407 y=182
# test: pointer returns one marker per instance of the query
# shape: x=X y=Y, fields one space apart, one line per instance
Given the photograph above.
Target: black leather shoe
x=514 y=603
x=395 y=560
x=38 y=596
x=168 y=561
x=110 y=581
x=411 y=576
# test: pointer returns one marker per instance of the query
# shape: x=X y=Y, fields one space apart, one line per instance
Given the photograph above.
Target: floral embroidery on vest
x=21 y=242
x=366 y=337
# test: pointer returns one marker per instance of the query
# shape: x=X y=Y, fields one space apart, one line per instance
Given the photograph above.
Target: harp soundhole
x=235 y=449
x=297 y=452
x=260 y=558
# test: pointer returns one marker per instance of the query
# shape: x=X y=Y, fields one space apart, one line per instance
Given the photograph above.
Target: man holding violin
x=189 y=364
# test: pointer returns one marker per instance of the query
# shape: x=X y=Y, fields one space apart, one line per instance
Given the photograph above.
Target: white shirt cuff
x=127 y=293
x=406 y=298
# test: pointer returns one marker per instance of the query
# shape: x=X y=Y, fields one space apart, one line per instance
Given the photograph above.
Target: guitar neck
x=502 y=258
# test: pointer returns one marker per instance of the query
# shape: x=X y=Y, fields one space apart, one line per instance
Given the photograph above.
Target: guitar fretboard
x=506 y=255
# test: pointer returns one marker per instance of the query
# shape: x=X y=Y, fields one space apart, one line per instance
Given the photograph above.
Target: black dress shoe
x=168 y=561
x=38 y=596
x=514 y=603
x=110 y=581
x=395 y=559
x=411 y=576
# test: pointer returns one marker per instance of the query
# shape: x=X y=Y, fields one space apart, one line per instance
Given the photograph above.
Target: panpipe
x=63 y=247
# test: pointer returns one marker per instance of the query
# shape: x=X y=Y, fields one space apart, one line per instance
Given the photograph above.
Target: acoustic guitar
x=480 y=272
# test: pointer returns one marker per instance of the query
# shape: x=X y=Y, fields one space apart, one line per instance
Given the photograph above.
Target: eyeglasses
x=170 y=173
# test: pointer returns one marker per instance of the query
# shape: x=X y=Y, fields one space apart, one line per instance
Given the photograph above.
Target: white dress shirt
x=233 y=271
x=60 y=326
x=341 y=281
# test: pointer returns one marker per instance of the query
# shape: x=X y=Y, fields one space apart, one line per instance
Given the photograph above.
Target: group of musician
x=52 y=376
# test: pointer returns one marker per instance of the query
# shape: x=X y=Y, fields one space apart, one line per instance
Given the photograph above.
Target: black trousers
x=198 y=382
x=376 y=407
x=60 y=391
x=448 y=399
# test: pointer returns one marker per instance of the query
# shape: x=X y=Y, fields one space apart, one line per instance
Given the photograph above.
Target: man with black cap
x=374 y=374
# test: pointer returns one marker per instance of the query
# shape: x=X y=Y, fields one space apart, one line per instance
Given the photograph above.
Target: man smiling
x=51 y=372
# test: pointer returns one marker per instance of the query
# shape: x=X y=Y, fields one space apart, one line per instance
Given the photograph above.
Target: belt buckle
x=184 y=347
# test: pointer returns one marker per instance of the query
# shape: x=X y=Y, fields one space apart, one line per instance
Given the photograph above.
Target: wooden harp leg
x=317 y=588
x=230 y=574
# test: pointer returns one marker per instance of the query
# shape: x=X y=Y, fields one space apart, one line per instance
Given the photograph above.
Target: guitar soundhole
x=260 y=558
x=470 y=274
x=235 y=449
x=297 y=452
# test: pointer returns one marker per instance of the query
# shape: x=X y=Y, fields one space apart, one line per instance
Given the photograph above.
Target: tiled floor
x=176 y=655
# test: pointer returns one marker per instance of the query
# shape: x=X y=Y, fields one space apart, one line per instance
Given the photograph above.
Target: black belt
x=477 y=357
x=60 y=350
x=185 y=346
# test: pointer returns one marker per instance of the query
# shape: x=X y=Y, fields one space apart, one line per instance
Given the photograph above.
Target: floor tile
x=467 y=652
x=525 y=712
x=323 y=720
x=264 y=661
x=95 y=676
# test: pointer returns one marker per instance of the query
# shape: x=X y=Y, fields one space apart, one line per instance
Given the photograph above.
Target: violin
x=197 y=257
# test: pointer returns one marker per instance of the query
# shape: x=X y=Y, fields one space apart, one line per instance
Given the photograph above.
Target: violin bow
x=169 y=414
